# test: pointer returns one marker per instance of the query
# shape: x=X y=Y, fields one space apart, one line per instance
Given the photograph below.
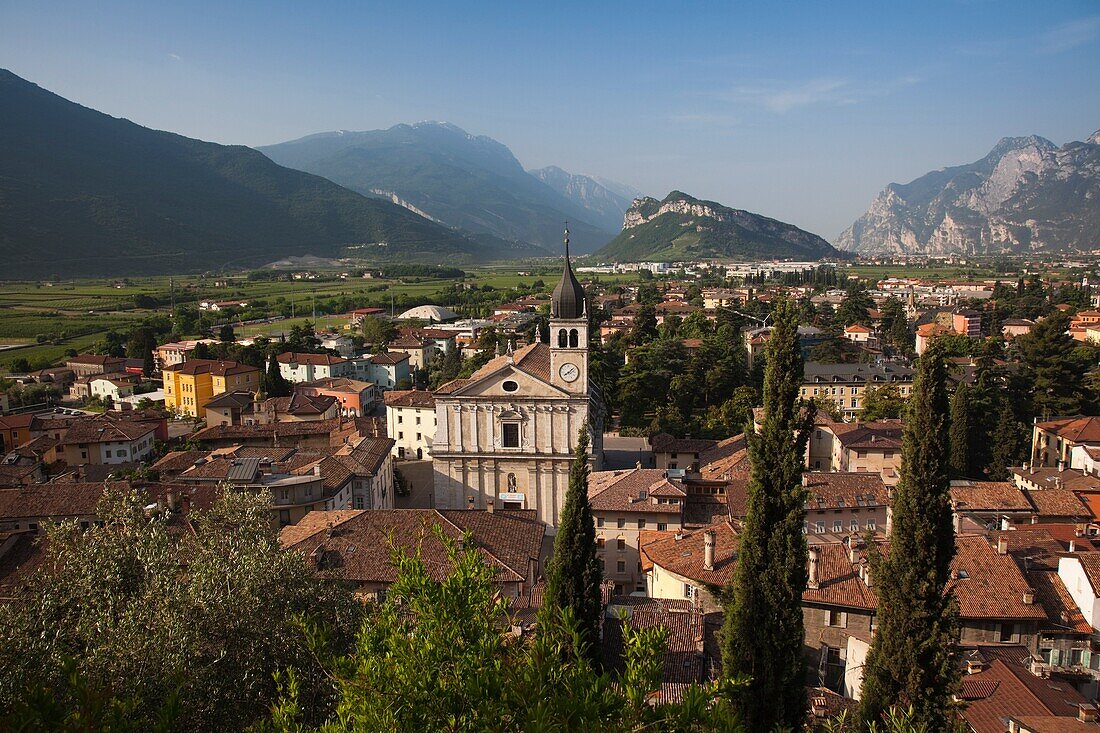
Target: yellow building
x=190 y=385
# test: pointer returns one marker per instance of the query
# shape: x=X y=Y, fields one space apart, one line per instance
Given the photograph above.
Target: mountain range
x=86 y=194
x=470 y=182
x=1026 y=195
x=681 y=227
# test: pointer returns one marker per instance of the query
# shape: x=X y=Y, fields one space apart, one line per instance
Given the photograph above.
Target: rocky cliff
x=1026 y=195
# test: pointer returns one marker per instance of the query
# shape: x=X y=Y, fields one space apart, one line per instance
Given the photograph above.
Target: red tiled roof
x=727 y=460
x=839 y=582
x=1051 y=593
x=1013 y=691
x=1074 y=429
x=60 y=500
x=410 y=398
x=989 y=585
x=359 y=542
x=291 y=357
x=209 y=366
x=1058 y=503
x=855 y=489
x=684 y=556
x=999 y=496
x=622 y=491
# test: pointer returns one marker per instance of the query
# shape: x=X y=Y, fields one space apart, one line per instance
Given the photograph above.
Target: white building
x=411 y=422
x=507 y=433
x=311 y=367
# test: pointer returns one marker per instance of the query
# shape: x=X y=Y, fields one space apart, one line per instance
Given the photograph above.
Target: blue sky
x=802 y=111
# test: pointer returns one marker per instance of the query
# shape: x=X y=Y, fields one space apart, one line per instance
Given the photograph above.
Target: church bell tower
x=569 y=332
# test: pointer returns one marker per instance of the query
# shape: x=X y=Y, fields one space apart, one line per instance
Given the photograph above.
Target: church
x=507 y=433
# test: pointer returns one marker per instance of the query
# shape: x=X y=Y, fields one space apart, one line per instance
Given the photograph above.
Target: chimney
x=1002 y=545
x=708 y=549
x=460 y=543
x=470 y=501
x=1072 y=546
x=815 y=557
x=1029 y=597
x=973 y=666
x=1086 y=712
x=171 y=499
x=489 y=505
x=185 y=503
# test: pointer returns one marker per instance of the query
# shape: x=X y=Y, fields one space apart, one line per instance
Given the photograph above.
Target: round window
x=509 y=386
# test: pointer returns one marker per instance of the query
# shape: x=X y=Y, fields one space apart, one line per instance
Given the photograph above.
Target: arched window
x=573 y=337
x=562 y=339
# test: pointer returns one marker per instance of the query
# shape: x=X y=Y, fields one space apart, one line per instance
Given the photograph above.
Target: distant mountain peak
x=681 y=227
x=1025 y=195
x=1095 y=138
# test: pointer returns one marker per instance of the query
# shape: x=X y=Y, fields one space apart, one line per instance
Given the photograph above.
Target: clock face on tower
x=569 y=372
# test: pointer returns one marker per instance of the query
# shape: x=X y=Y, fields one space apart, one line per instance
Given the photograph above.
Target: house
x=355 y=398
x=967 y=322
x=85 y=365
x=113 y=388
x=229 y=408
x=294 y=408
x=1052 y=441
x=31 y=507
x=857 y=447
x=627 y=504
x=678 y=453
x=411 y=422
x=858 y=333
x=302 y=434
x=177 y=352
x=846 y=384
x=1004 y=696
x=310 y=367
x=1013 y=327
x=188 y=386
x=15 y=430
x=688 y=565
x=998 y=504
x=842 y=503
x=105 y=440
x=389 y=369
x=926 y=332
x=355 y=546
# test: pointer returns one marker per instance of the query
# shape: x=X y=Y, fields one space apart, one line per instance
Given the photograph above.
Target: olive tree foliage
x=150 y=623
x=438 y=655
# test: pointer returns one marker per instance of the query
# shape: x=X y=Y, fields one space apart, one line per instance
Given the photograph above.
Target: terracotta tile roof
x=684 y=556
x=21 y=554
x=234 y=400
x=1053 y=478
x=209 y=366
x=337 y=384
x=58 y=500
x=1092 y=502
x=452 y=386
x=1056 y=724
x=727 y=460
x=389 y=358
x=291 y=357
x=988 y=585
x=1058 y=503
x=297 y=404
x=358 y=543
x=97 y=359
x=1013 y=691
x=833 y=490
x=178 y=460
x=703 y=509
x=622 y=491
x=1036 y=546
x=365 y=456
x=410 y=398
x=1074 y=429
x=985 y=496
x=682 y=666
x=1090 y=563
x=839 y=582
x=282 y=429
x=1051 y=593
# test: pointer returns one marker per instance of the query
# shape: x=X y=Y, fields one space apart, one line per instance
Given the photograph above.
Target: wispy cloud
x=175 y=57
x=1070 y=35
x=782 y=97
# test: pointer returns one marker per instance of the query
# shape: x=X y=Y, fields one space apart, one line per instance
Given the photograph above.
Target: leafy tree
x=732 y=417
x=434 y=657
x=855 y=308
x=881 y=403
x=763 y=633
x=643 y=329
x=959 y=433
x=226 y=335
x=168 y=625
x=274 y=383
x=574 y=574
x=895 y=324
x=1056 y=366
x=910 y=661
x=445 y=368
x=826 y=405
x=20 y=365
x=202 y=351
x=378 y=331
x=1008 y=446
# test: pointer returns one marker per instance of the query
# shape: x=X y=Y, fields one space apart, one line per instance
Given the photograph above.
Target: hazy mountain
x=605 y=206
x=1026 y=195
x=83 y=193
x=684 y=228
x=468 y=181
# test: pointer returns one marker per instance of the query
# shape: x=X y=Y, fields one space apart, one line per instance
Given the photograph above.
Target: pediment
x=527 y=385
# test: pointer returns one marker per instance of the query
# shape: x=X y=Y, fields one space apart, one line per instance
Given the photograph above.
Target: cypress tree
x=910 y=661
x=959 y=432
x=762 y=637
x=574 y=574
x=1005 y=450
x=275 y=384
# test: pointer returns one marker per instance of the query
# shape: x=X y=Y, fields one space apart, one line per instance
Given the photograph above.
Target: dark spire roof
x=568 y=298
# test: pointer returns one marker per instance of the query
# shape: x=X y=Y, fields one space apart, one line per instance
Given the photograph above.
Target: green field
x=76 y=314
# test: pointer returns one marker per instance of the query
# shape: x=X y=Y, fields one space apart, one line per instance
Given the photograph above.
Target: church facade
x=507 y=433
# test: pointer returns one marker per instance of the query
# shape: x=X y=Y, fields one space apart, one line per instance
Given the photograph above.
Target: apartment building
x=188 y=386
